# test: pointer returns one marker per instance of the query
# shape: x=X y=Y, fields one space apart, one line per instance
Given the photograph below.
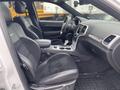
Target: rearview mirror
x=76 y=3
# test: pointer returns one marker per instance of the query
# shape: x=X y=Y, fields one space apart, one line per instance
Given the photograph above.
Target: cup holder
x=62 y=48
x=55 y=46
x=68 y=48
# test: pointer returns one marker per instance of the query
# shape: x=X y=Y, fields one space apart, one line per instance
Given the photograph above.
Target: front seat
x=59 y=72
x=31 y=30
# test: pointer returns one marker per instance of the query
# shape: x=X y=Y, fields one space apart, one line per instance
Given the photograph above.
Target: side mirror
x=76 y=3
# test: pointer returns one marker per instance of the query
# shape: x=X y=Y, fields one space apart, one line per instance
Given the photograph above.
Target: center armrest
x=44 y=43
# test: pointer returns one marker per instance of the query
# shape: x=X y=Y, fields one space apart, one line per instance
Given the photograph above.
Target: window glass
x=91 y=12
x=49 y=11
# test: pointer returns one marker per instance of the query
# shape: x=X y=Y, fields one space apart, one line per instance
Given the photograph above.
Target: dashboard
x=102 y=38
x=102 y=32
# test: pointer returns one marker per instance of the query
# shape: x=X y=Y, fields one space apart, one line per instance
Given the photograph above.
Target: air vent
x=109 y=39
x=83 y=30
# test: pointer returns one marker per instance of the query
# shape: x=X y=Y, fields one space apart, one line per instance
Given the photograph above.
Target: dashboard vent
x=83 y=30
x=109 y=39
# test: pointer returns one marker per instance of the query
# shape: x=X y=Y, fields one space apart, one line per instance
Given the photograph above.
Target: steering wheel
x=67 y=30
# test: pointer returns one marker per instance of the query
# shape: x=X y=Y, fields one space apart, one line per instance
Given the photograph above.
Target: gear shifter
x=69 y=37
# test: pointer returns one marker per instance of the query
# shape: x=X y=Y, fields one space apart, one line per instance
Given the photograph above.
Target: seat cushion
x=57 y=69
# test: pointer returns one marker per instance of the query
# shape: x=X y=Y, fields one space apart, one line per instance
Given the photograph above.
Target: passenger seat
x=59 y=72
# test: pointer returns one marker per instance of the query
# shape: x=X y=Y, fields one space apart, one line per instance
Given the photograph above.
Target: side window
x=49 y=11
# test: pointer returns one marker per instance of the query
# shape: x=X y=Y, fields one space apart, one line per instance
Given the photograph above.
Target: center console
x=62 y=48
x=81 y=31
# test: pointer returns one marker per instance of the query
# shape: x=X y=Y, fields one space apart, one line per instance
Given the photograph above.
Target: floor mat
x=109 y=80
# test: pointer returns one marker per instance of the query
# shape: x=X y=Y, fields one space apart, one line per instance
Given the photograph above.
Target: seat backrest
x=29 y=28
x=26 y=25
x=27 y=49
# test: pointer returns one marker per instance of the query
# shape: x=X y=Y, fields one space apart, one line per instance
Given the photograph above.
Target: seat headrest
x=20 y=7
x=5 y=12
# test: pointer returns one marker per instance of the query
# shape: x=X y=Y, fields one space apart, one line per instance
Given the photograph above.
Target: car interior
x=88 y=61
x=31 y=27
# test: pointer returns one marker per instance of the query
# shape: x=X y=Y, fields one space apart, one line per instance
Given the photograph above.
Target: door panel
x=51 y=29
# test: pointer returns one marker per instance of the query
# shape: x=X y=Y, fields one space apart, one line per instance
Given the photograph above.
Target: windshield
x=91 y=12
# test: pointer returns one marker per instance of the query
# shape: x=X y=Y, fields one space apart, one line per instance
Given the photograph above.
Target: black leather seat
x=31 y=30
x=59 y=72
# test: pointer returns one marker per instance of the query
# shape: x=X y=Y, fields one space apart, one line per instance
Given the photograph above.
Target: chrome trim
x=82 y=33
x=78 y=36
x=95 y=38
x=109 y=45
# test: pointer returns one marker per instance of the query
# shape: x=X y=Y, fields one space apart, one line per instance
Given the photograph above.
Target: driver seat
x=32 y=31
